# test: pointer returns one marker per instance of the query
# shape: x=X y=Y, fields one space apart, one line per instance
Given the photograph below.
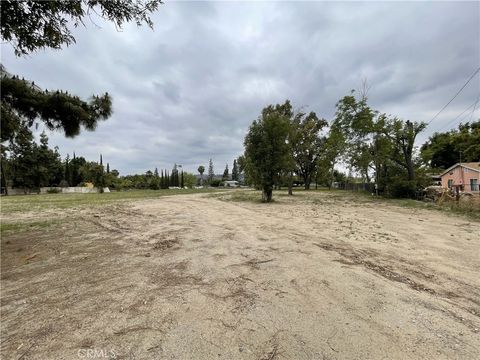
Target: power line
x=474 y=105
x=459 y=91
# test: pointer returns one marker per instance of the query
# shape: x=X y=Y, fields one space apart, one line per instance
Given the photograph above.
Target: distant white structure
x=231 y=183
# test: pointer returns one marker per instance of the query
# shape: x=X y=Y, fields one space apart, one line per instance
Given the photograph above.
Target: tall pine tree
x=211 y=173
x=235 y=170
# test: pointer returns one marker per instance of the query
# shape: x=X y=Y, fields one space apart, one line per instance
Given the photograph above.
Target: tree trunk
x=290 y=184
x=267 y=194
x=307 y=181
x=4 y=179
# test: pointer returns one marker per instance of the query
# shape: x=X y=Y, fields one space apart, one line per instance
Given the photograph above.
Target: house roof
x=475 y=166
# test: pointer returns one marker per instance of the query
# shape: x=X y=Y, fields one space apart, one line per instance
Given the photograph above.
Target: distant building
x=464 y=175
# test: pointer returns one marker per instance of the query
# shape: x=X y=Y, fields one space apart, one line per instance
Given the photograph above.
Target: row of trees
x=28 y=165
x=283 y=144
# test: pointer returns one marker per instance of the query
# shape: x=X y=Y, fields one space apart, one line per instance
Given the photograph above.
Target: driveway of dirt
x=194 y=277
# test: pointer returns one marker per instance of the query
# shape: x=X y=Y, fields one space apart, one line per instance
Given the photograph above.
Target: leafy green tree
x=402 y=134
x=266 y=148
x=201 y=170
x=443 y=150
x=331 y=155
x=34 y=25
x=93 y=172
x=235 y=170
x=306 y=143
x=367 y=140
x=189 y=180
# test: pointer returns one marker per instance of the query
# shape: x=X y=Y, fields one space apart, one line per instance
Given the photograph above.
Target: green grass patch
x=10 y=227
x=253 y=196
x=24 y=203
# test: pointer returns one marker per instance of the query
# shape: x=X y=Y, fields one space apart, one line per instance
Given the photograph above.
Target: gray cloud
x=188 y=90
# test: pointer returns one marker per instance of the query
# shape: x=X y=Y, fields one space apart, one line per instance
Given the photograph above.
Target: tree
x=403 y=135
x=23 y=103
x=93 y=172
x=225 y=173
x=201 y=170
x=266 y=147
x=75 y=165
x=367 y=140
x=34 y=25
x=235 y=170
x=68 y=174
x=48 y=168
x=211 y=173
x=22 y=157
x=181 y=182
x=305 y=141
x=443 y=150
x=189 y=180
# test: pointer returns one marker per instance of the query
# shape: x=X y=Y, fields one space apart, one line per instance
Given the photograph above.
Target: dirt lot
x=316 y=276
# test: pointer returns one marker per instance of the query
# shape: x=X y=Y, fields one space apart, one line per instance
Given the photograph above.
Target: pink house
x=465 y=175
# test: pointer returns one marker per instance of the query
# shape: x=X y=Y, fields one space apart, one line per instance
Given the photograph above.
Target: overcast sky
x=188 y=90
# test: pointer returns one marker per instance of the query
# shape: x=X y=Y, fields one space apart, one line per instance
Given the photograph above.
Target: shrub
x=401 y=188
x=216 y=182
x=53 y=191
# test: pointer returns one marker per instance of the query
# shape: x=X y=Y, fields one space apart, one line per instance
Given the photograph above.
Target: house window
x=473 y=185
x=450 y=183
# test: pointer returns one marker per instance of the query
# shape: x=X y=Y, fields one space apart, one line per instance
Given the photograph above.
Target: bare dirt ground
x=195 y=277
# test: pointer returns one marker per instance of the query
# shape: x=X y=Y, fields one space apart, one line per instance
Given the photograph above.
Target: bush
x=215 y=183
x=401 y=188
x=53 y=191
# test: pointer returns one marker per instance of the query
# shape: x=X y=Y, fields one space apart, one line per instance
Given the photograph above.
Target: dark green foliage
x=201 y=170
x=226 y=175
x=53 y=191
x=443 y=150
x=23 y=160
x=33 y=25
x=306 y=144
x=94 y=173
x=400 y=187
x=235 y=171
x=30 y=165
x=371 y=142
x=23 y=103
x=267 y=152
x=75 y=164
x=216 y=182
